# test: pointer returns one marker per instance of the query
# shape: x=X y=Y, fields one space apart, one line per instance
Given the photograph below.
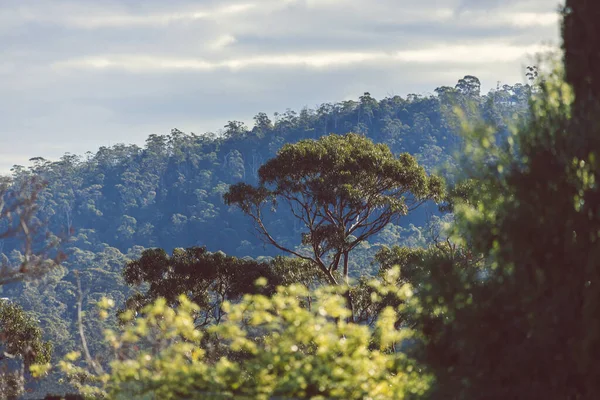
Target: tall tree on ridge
x=343 y=189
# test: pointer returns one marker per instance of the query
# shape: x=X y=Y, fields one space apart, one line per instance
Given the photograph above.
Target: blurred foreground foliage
x=523 y=321
x=277 y=348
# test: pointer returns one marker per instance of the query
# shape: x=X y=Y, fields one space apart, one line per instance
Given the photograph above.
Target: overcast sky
x=76 y=75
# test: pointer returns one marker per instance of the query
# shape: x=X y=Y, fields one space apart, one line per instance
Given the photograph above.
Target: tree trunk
x=581 y=44
x=346 y=275
x=348 y=294
x=350 y=304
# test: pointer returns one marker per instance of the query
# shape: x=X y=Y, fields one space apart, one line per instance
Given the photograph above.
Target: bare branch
x=97 y=368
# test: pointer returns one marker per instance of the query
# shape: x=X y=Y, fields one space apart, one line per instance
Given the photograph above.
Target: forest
x=438 y=246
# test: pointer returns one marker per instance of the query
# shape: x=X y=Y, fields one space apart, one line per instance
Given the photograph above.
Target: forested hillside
x=433 y=247
x=169 y=193
x=110 y=205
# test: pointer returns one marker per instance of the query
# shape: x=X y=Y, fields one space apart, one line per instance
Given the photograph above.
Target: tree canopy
x=343 y=189
x=21 y=346
x=208 y=279
x=284 y=350
x=525 y=323
x=119 y=207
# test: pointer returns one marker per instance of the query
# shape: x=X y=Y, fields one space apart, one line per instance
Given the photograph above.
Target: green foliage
x=208 y=279
x=22 y=229
x=580 y=43
x=524 y=326
x=51 y=299
x=342 y=189
x=21 y=345
x=115 y=202
x=21 y=336
x=284 y=350
x=130 y=195
x=405 y=258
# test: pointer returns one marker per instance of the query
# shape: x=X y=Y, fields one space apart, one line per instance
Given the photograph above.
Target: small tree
x=343 y=189
x=21 y=345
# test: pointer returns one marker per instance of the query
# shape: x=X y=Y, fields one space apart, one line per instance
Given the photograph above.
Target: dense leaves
x=21 y=345
x=208 y=279
x=289 y=352
x=22 y=229
x=504 y=304
x=113 y=204
x=21 y=336
x=342 y=189
x=168 y=193
x=526 y=325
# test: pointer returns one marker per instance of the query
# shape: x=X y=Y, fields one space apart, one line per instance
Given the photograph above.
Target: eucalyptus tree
x=342 y=188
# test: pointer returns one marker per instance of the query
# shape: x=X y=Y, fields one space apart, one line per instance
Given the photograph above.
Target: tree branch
x=97 y=368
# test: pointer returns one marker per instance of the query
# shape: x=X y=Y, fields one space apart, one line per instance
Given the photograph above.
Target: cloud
x=222 y=41
x=90 y=16
x=489 y=18
x=474 y=54
x=78 y=74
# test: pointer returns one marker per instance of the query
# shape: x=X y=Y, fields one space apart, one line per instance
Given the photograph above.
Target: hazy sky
x=79 y=74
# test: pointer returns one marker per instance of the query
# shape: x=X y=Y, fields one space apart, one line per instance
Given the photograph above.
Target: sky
x=80 y=74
